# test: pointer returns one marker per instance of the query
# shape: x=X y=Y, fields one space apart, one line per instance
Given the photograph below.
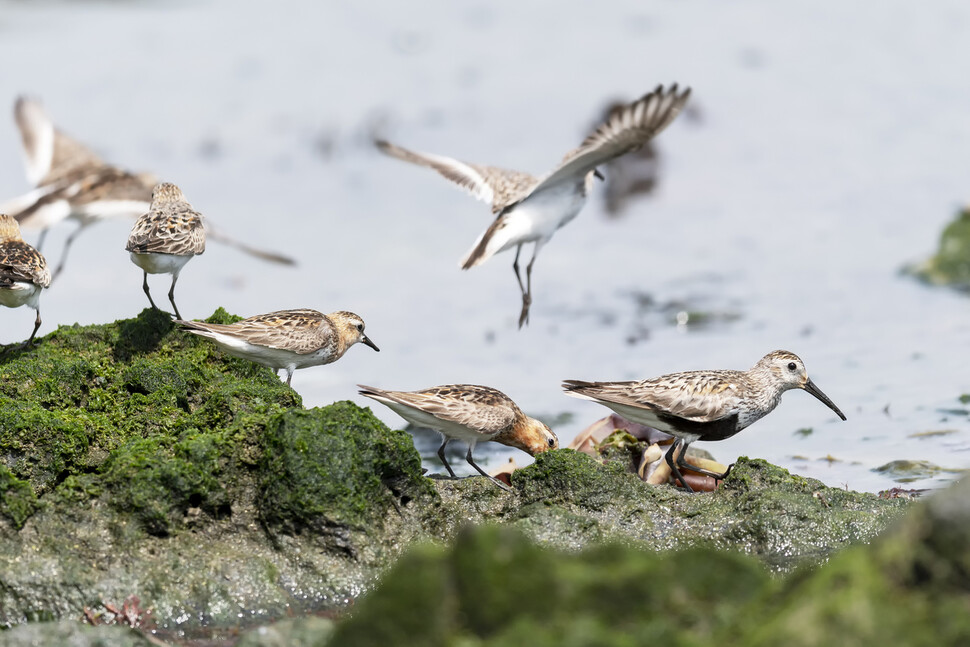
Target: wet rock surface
x=136 y=460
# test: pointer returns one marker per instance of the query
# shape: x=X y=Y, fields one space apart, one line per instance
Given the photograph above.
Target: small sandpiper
x=470 y=413
x=72 y=182
x=703 y=405
x=166 y=238
x=529 y=209
x=23 y=271
x=287 y=339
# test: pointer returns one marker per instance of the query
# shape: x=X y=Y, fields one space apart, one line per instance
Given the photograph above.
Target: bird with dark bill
x=531 y=209
x=470 y=413
x=287 y=339
x=703 y=405
x=23 y=271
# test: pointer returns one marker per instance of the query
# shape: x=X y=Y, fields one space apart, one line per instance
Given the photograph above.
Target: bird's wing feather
x=21 y=262
x=487 y=183
x=300 y=331
x=481 y=408
x=174 y=229
x=695 y=396
x=627 y=130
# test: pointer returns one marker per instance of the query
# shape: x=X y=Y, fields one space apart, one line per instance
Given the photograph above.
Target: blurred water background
x=826 y=146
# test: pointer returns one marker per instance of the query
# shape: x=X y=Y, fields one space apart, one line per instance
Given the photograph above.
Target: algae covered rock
x=951 y=263
x=138 y=460
x=494 y=586
x=135 y=459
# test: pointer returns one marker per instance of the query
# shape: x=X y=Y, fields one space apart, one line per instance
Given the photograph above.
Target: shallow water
x=827 y=147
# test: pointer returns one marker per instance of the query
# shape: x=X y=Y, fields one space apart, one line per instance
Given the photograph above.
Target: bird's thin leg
x=144 y=286
x=171 y=297
x=468 y=457
x=40 y=239
x=441 y=455
x=289 y=372
x=67 y=248
x=527 y=292
x=515 y=266
x=670 y=461
x=36 y=326
x=682 y=462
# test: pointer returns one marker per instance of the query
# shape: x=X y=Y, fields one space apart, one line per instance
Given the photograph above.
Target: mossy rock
x=494 y=586
x=138 y=459
x=376 y=469
x=951 y=264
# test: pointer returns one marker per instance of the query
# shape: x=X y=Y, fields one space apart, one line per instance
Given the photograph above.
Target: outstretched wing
x=627 y=130
x=487 y=183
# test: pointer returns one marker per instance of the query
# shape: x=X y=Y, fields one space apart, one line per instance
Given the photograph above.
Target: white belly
x=274 y=358
x=547 y=211
x=20 y=294
x=159 y=263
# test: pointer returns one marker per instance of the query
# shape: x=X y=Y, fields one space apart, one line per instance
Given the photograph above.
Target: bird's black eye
x=791 y=366
x=360 y=327
x=552 y=442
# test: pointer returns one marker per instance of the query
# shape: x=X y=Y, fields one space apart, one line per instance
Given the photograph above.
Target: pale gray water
x=832 y=146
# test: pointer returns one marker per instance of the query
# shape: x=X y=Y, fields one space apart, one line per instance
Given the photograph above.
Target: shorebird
x=287 y=339
x=23 y=271
x=470 y=413
x=166 y=238
x=72 y=182
x=529 y=209
x=703 y=405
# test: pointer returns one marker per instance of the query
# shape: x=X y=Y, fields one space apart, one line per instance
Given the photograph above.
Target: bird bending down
x=529 y=209
x=72 y=182
x=166 y=238
x=23 y=272
x=470 y=413
x=287 y=339
x=703 y=405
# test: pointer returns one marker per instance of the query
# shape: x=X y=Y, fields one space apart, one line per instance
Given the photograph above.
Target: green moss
x=17 y=499
x=951 y=263
x=496 y=587
x=565 y=475
x=163 y=417
x=158 y=483
x=335 y=466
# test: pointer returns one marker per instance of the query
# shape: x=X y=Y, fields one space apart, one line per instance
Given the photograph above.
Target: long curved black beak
x=364 y=339
x=814 y=390
x=596 y=173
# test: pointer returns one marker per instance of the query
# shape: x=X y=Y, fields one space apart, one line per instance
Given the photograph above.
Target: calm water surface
x=826 y=147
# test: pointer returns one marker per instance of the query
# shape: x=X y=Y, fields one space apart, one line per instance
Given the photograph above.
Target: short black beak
x=597 y=173
x=814 y=390
x=366 y=340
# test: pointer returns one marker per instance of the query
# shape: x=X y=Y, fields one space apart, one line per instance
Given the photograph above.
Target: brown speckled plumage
x=171 y=226
x=703 y=405
x=470 y=412
x=73 y=182
x=23 y=271
x=287 y=339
